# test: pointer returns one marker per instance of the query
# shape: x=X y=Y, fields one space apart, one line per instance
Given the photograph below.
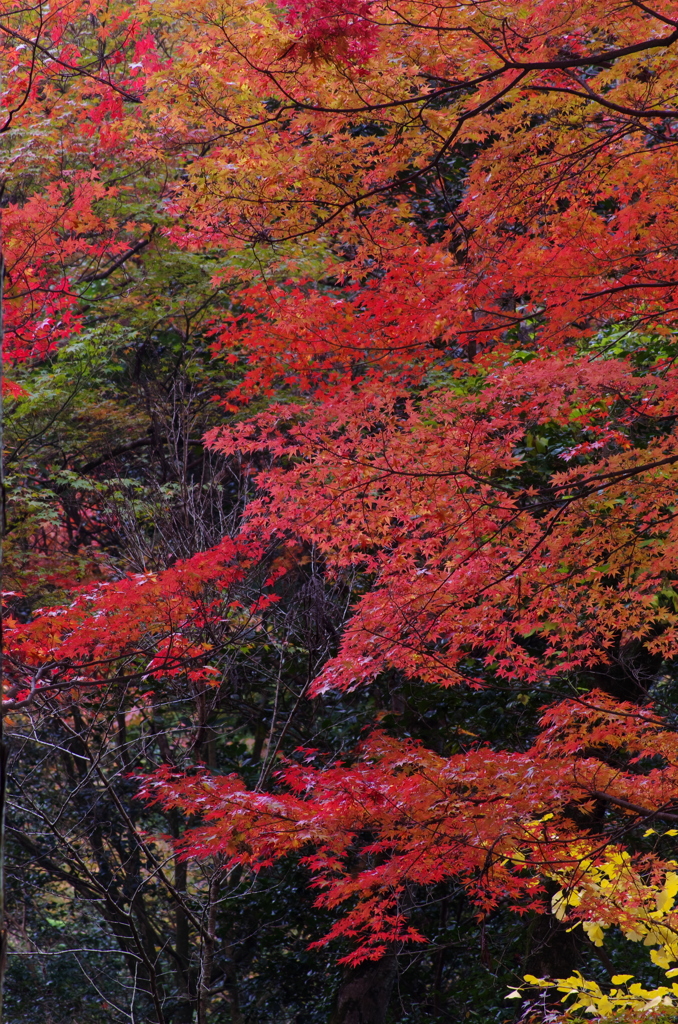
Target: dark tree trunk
x=554 y=948
x=365 y=992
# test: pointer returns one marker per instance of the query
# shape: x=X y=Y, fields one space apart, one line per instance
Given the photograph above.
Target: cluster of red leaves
x=401 y=816
x=432 y=495
x=70 y=74
x=567 y=208
x=143 y=627
x=42 y=237
x=344 y=31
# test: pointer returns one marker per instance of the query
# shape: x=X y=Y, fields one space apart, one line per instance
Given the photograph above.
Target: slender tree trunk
x=208 y=948
x=182 y=935
x=365 y=992
x=439 y=962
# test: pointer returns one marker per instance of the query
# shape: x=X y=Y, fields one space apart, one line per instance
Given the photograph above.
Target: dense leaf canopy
x=341 y=546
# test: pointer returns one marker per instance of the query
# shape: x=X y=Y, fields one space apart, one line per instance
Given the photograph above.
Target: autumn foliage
x=443 y=241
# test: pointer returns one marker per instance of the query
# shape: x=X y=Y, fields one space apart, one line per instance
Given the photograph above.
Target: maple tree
x=437 y=274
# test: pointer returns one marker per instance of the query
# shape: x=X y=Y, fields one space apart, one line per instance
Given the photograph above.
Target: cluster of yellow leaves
x=643 y=911
x=589 y=996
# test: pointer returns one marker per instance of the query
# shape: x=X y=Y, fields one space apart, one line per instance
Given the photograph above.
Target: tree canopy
x=340 y=550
